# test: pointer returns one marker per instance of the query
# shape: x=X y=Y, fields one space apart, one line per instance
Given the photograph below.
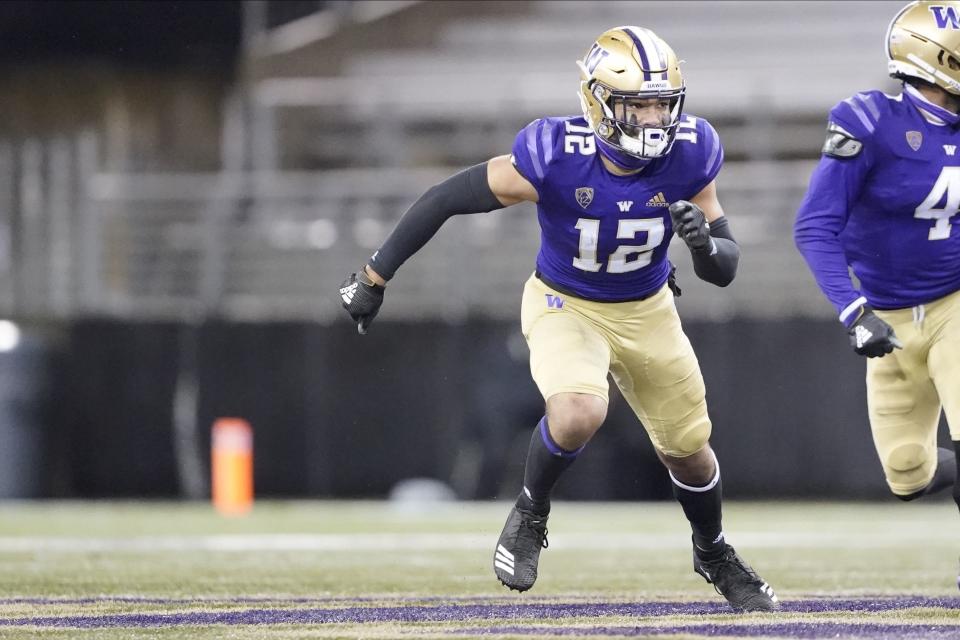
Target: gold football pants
x=574 y=343
x=905 y=391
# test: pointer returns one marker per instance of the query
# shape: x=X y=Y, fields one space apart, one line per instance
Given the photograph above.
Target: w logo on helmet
x=944 y=15
x=594 y=56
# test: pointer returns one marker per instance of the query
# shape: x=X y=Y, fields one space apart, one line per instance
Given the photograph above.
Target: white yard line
x=455 y=542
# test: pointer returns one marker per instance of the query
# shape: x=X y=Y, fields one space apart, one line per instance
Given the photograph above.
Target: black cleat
x=736 y=581
x=518 y=549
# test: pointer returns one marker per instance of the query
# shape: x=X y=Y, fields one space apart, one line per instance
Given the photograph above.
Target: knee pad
x=690 y=439
x=906 y=457
x=907 y=464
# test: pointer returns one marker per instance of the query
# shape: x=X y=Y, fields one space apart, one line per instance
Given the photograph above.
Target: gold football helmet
x=923 y=41
x=626 y=67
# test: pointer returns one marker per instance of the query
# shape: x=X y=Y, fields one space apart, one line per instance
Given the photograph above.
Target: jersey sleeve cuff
x=850 y=309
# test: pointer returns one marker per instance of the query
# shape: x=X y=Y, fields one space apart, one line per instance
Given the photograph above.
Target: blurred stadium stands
x=181 y=210
x=343 y=115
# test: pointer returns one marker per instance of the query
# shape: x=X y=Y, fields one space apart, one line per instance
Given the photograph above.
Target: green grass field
x=380 y=570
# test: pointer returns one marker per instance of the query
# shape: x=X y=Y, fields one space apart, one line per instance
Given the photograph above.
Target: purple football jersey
x=886 y=212
x=605 y=237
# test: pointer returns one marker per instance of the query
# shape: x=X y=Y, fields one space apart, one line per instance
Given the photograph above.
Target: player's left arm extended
x=704 y=228
x=463 y=193
x=481 y=188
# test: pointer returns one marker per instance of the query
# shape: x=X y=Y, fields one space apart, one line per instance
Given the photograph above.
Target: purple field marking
x=813 y=605
x=462 y=612
x=148 y=600
x=783 y=630
x=249 y=599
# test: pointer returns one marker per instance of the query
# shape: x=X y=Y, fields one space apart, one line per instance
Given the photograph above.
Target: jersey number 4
x=948 y=184
x=622 y=260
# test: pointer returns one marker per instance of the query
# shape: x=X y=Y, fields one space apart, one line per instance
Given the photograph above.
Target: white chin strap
x=653 y=144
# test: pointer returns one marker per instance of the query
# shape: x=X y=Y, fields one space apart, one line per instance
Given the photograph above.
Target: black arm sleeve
x=717 y=263
x=465 y=192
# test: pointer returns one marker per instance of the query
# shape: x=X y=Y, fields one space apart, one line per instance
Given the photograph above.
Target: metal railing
x=275 y=245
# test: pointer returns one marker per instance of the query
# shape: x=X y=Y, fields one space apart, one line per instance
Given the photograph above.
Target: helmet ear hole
x=951 y=61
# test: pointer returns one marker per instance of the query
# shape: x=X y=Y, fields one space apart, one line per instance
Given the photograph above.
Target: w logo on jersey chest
x=625 y=205
x=945 y=16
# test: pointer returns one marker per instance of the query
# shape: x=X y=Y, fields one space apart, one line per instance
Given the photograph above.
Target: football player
x=612 y=187
x=883 y=201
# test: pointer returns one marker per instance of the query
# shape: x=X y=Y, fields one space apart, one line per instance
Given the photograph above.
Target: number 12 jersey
x=604 y=237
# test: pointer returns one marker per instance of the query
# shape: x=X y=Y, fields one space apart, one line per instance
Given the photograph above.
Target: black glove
x=672 y=281
x=872 y=337
x=361 y=298
x=690 y=224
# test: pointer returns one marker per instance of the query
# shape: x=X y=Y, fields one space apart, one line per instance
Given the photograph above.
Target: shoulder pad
x=840 y=143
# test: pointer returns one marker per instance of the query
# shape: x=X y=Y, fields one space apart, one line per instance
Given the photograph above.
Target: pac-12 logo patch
x=584 y=196
x=914 y=139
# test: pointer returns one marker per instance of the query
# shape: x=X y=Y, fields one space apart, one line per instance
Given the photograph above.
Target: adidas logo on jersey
x=348 y=292
x=862 y=334
x=658 y=201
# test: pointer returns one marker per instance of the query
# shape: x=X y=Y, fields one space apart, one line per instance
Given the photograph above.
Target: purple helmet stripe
x=651 y=52
x=644 y=61
x=647 y=34
x=660 y=54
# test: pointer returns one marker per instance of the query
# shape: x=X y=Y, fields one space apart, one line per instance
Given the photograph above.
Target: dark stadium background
x=111 y=392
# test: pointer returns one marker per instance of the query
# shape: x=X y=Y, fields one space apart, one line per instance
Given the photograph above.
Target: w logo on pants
x=554 y=302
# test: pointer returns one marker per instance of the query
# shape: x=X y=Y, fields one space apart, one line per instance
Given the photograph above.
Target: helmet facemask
x=622 y=128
